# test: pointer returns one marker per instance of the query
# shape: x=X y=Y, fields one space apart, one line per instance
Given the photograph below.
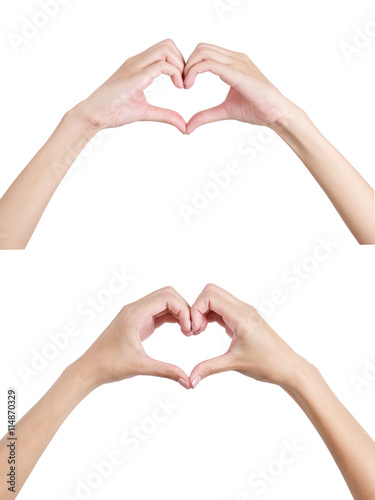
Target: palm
x=240 y=108
x=116 y=111
x=129 y=111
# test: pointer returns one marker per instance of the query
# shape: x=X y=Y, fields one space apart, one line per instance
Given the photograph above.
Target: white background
x=119 y=209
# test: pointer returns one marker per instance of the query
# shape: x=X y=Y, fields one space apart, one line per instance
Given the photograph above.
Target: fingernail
x=184 y=384
x=196 y=381
x=189 y=326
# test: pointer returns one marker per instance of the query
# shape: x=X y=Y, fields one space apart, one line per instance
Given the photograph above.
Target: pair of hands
x=121 y=100
x=256 y=350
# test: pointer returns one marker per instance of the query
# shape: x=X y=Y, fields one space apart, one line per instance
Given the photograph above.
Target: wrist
x=80 y=116
x=300 y=376
x=288 y=119
x=83 y=375
x=305 y=380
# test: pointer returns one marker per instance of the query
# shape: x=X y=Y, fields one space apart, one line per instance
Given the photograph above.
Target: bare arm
x=23 y=204
x=116 y=355
x=119 y=101
x=253 y=99
x=258 y=352
x=349 y=193
x=36 y=429
x=349 y=444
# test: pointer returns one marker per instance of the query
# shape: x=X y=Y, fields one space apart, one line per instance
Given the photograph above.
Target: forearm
x=350 y=194
x=349 y=444
x=23 y=204
x=36 y=429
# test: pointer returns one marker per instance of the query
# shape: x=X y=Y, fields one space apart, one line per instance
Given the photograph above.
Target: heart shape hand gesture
x=121 y=100
x=256 y=350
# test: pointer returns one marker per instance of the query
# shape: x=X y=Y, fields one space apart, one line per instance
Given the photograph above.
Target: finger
x=165 y=55
x=163 y=318
x=223 y=363
x=184 y=315
x=166 y=68
x=157 y=368
x=202 y=53
x=213 y=317
x=217 y=300
x=167 y=317
x=201 y=308
x=155 y=114
x=163 y=50
x=167 y=299
x=198 y=322
x=222 y=50
x=216 y=114
x=174 y=46
x=210 y=317
x=224 y=71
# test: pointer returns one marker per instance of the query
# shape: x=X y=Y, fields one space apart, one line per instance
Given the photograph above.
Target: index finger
x=205 y=51
x=226 y=72
x=217 y=300
x=168 y=300
x=165 y=50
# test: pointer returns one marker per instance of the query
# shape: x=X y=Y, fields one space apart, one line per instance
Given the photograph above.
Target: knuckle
x=168 y=373
x=210 y=288
x=203 y=53
x=198 y=49
x=167 y=44
x=167 y=51
x=168 y=290
x=162 y=49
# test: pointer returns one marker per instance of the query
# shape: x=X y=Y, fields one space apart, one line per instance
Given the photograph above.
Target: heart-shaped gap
x=208 y=91
x=170 y=345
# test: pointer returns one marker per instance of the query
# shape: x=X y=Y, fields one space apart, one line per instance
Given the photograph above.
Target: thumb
x=155 y=114
x=210 y=115
x=223 y=363
x=157 y=368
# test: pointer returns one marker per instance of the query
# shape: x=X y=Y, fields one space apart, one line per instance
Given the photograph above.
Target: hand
x=118 y=353
x=121 y=100
x=256 y=350
x=251 y=98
